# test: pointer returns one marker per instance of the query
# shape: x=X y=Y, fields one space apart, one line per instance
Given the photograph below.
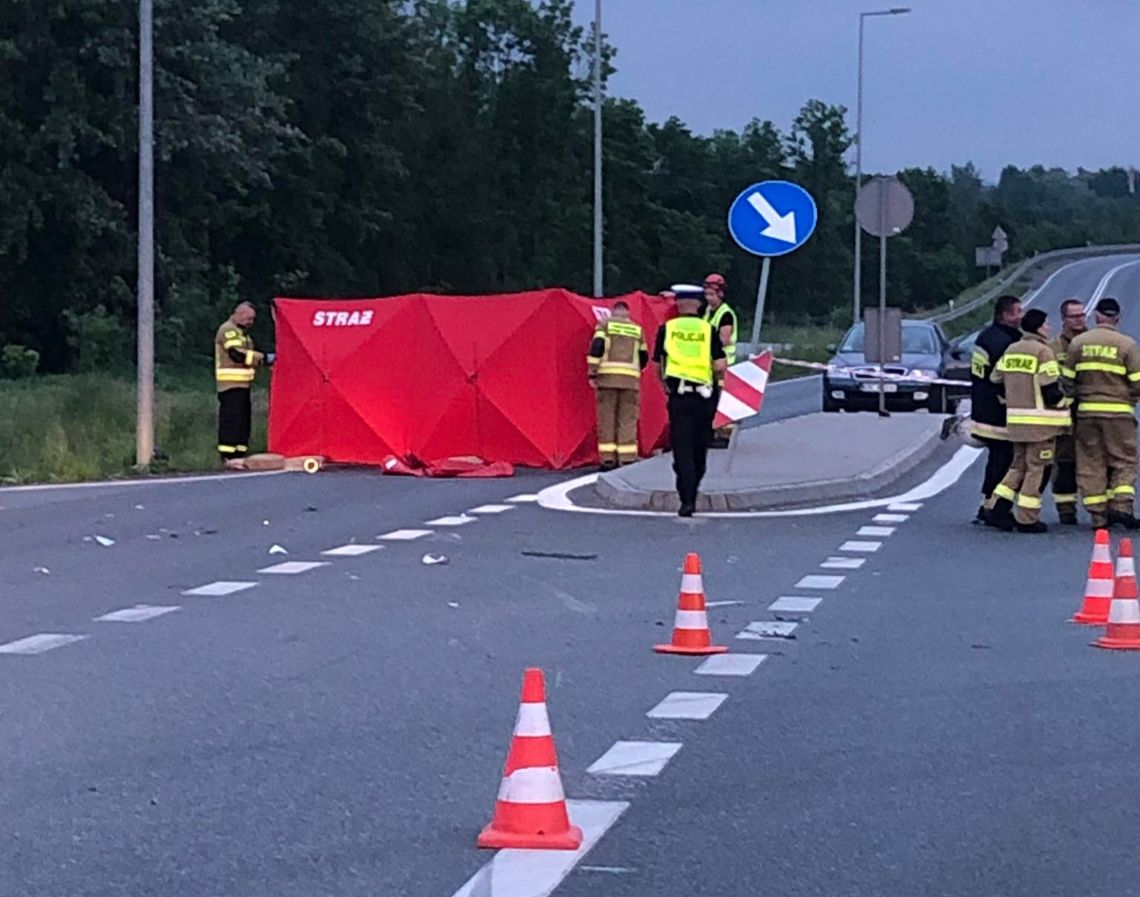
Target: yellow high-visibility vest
x=714 y=319
x=688 y=350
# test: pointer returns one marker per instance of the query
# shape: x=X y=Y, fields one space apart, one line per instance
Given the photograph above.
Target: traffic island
x=800 y=462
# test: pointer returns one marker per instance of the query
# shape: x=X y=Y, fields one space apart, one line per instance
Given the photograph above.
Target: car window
x=915 y=341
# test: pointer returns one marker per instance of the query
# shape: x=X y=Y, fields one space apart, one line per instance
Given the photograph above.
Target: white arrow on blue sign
x=772 y=218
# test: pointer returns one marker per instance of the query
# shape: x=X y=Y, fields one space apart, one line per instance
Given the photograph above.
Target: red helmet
x=715 y=280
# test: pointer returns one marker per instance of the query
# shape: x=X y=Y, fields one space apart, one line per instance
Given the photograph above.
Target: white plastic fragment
x=430 y=560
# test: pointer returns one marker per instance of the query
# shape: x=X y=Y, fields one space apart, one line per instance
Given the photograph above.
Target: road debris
x=277 y=549
x=43 y=571
x=453 y=604
x=104 y=541
x=431 y=560
x=560 y=555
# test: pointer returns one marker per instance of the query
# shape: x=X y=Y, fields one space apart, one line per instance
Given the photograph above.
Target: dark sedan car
x=926 y=355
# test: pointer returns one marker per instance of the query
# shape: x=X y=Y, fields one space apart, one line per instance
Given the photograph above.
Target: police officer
x=987 y=411
x=235 y=364
x=1036 y=411
x=723 y=320
x=1104 y=366
x=1065 y=454
x=616 y=359
x=691 y=360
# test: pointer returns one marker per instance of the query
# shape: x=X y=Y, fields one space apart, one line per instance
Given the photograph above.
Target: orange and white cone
x=691 y=633
x=530 y=812
x=1099 y=586
x=1123 y=633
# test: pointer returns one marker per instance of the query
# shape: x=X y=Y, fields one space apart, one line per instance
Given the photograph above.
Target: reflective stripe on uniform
x=979 y=361
x=1043 y=416
x=1092 y=500
x=988 y=431
x=243 y=448
x=1026 y=501
x=1026 y=364
x=1123 y=490
x=227 y=449
x=1050 y=369
x=625 y=448
x=1134 y=376
x=1068 y=372
x=1101 y=366
x=1001 y=490
x=234 y=375
x=621 y=368
x=1065 y=498
x=1105 y=407
x=607 y=447
x=233 y=344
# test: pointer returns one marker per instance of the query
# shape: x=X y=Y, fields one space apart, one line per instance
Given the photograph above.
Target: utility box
x=882 y=345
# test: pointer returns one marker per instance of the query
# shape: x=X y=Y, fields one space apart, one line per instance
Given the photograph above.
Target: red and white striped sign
x=743 y=392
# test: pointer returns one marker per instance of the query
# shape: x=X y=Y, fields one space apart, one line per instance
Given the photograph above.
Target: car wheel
x=937 y=402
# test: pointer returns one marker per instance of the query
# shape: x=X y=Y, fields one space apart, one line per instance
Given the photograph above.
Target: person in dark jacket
x=987 y=406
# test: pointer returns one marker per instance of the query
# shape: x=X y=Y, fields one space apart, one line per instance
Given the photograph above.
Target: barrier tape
x=863 y=375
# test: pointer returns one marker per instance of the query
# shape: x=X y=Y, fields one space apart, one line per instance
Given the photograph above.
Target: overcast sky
x=1055 y=82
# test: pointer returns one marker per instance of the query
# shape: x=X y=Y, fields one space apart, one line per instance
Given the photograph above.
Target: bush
x=99 y=340
x=18 y=362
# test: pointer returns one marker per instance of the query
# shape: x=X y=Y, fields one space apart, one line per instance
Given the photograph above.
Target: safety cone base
x=1114 y=644
x=492 y=838
x=1083 y=619
x=677 y=649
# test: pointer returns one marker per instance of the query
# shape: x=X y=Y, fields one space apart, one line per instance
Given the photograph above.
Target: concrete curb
x=618 y=493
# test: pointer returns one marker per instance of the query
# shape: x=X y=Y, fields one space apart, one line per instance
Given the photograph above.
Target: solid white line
x=635 y=758
x=890 y=518
x=794 y=604
x=878 y=531
x=817 y=582
x=137 y=614
x=687 y=705
x=161 y=481
x=841 y=563
x=557 y=497
x=712 y=604
x=767 y=629
x=523 y=499
x=351 y=551
x=404 y=535
x=292 y=568
x=536 y=873
x=450 y=521
x=38 y=644
x=491 y=509
x=218 y=589
x=1102 y=287
x=612 y=870
x=731 y=665
x=867 y=547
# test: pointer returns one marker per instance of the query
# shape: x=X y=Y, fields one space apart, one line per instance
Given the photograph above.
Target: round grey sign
x=884 y=207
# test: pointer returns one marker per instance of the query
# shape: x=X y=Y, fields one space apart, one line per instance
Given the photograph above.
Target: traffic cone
x=691 y=633
x=530 y=812
x=1123 y=633
x=1099 y=586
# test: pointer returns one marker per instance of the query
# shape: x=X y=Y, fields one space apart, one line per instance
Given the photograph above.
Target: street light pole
x=598 y=149
x=856 y=303
x=144 y=434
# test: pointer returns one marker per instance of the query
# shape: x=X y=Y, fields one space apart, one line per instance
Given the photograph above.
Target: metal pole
x=598 y=286
x=882 y=294
x=856 y=299
x=144 y=436
x=761 y=294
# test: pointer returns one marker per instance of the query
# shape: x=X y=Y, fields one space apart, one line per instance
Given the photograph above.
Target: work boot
x=1123 y=518
x=1067 y=516
x=719 y=442
x=1098 y=521
x=1000 y=516
x=1036 y=527
x=608 y=465
x=687 y=509
x=980 y=517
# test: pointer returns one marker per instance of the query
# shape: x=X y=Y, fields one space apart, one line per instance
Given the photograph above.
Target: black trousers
x=999 y=456
x=235 y=416
x=690 y=429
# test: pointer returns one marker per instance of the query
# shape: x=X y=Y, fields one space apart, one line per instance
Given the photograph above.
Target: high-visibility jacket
x=987 y=405
x=714 y=318
x=235 y=359
x=688 y=350
x=1103 y=366
x=617 y=355
x=1035 y=408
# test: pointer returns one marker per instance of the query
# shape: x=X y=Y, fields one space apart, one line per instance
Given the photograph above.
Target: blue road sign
x=772 y=218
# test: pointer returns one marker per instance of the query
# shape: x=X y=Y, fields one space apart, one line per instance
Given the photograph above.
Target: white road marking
x=451 y=521
x=820 y=582
x=731 y=665
x=491 y=509
x=137 y=614
x=612 y=870
x=38 y=644
x=866 y=547
x=523 y=499
x=711 y=604
x=687 y=705
x=292 y=568
x=890 y=518
x=841 y=563
x=158 y=481
x=879 y=531
x=767 y=629
x=1101 y=287
x=404 y=535
x=557 y=497
x=794 y=604
x=635 y=758
x=351 y=551
x=536 y=873
x=218 y=589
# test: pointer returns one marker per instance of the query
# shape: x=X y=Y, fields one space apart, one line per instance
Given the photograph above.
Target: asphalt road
x=935 y=727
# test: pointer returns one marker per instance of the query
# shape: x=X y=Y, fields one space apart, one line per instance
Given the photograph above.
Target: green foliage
x=99 y=341
x=17 y=362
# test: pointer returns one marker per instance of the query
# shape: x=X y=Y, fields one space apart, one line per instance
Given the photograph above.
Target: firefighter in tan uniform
x=1104 y=367
x=617 y=356
x=235 y=364
x=1065 y=460
x=1037 y=411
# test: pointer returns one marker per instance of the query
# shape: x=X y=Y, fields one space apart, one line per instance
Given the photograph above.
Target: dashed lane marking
x=731 y=665
x=459 y=520
x=635 y=758
x=866 y=547
x=841 y=563
x=878 y=531
x=890 y=518
x=292 y=568
x=38 y=644
x=763 y=630
x=404 y=535
x=536 y=873
x=687 y=705
x=817 y=582
x=794 y=604
x=492 y=509
x=140 y=613
x=219 y=589
x=351 y=551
